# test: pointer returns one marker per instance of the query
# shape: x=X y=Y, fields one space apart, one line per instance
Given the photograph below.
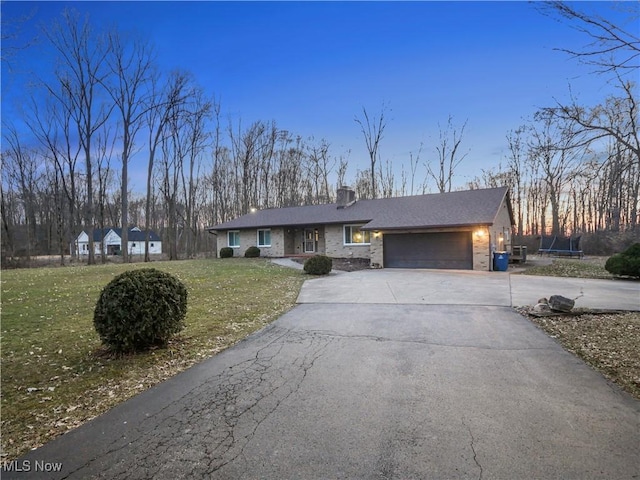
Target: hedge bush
x=318 y=265
x=252 y=252
x=626 y=263
x=226 y=252
x=140 y=309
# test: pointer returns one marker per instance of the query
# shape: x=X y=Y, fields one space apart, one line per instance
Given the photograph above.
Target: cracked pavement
x=369 y=391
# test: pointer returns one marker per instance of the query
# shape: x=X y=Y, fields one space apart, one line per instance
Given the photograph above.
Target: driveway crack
x=473 y=449
x=270 y=386
x=377 y=338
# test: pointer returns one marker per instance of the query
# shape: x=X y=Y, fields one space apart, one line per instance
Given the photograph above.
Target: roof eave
x=217 y=228
x=427 y=227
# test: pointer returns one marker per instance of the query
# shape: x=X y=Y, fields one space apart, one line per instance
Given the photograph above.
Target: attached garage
x=449 y=250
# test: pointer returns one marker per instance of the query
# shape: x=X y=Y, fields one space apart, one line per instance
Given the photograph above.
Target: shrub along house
x=111 y=239
x=456 y=230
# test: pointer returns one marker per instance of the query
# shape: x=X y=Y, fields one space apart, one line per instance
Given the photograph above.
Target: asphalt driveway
x=362 y=390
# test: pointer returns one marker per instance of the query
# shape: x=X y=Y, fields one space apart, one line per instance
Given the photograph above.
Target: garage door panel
x=449 y=250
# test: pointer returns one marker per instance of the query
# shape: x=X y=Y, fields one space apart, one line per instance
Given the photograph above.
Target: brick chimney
x=345 y=197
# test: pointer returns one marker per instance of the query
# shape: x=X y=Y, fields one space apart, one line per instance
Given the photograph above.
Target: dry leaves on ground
x=609 y=342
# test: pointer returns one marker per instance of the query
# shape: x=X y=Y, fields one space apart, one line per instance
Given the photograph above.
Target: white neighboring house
x=112 y=242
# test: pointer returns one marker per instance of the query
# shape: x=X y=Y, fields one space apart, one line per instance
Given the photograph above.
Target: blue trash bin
x=500 y=261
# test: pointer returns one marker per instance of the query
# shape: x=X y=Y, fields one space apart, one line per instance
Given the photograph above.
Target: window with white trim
x=354 y=236
x=264 y=237
x=233 y=238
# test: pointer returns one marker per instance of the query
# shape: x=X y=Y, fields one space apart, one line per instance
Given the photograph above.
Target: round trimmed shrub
x=140 y=309
x=633 y=251
x=226 y=252
x=626 y=263
x=615 y=264
x=252 y=252
x=318 y=265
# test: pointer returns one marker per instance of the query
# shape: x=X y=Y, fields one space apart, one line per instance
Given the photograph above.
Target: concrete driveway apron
x=403 y=286
x=459 y=287
x=347 y=387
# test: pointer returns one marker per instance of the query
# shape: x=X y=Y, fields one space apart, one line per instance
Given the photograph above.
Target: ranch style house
x=455 y=230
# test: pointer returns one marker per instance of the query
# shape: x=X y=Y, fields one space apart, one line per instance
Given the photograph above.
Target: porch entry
x=309 y=240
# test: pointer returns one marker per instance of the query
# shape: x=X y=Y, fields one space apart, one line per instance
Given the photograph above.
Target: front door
x=309 y=241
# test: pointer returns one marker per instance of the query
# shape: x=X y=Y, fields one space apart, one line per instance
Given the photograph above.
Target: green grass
x=55 y=373
x=571 y=268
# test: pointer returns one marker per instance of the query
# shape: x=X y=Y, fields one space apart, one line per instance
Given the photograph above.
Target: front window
x=354 y=236
x=264 y=238
x=233 y=238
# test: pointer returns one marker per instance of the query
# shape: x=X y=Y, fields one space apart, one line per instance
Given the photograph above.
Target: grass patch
x=578 y=268
x=608 y=342
x=55 y=373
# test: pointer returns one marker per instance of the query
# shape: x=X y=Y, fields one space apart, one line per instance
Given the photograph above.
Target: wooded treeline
x=570 y=168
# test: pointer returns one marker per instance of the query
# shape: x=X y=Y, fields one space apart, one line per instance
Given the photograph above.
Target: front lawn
x=592 y=267
x=56 y=375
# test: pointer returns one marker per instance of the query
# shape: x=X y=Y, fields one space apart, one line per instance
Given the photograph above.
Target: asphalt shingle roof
x=469 y=207
x=134 y=235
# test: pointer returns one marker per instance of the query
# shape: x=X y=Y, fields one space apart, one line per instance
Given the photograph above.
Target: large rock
x=559 y=303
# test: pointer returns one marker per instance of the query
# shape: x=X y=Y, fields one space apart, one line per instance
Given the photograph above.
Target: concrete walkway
x=369 y=381
x=287 y=262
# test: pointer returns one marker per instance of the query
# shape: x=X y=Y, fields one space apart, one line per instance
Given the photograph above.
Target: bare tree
x=343 y=164
x=617 y=117
x=448 y=155
x=130 y=63
x=414 y=161
x=362 y=186
x=8 y=198
x=556 y=147
x=516 y=159
x=105 y=147
x=372 y=129
x=614 y=50
x=290 y=178
x=611 y=47
x=80 y=72
x=197 y=138
x=319 y=165
x=387 y=180
x=171 y=164
x=11 y=30
x=164 y=106
x=22 y=165
x=53 y=127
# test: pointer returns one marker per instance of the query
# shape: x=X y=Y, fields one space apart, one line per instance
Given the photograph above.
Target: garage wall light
x=376 y=234
x=480 y=233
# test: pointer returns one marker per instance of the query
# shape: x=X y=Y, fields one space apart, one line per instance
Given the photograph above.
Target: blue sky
x=312 y=66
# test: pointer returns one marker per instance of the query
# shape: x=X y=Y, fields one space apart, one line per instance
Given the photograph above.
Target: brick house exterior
x=458 y=230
